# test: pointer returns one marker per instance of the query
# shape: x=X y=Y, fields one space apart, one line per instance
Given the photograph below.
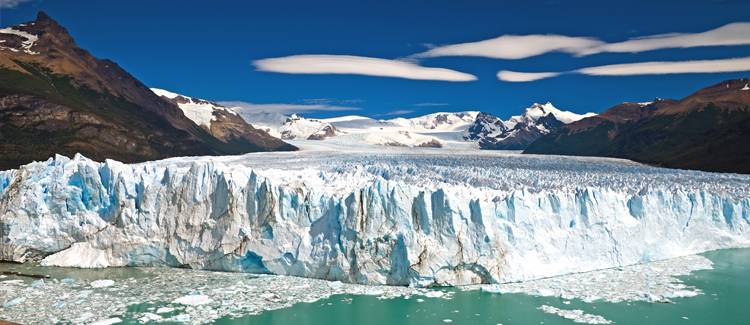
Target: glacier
x=416 y=217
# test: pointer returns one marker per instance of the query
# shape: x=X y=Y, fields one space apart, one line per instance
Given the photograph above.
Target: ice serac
x=368 y=218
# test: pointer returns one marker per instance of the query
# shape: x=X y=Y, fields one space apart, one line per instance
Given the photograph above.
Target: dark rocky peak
x=49 y=31
x=549 y=121
x=484 y=125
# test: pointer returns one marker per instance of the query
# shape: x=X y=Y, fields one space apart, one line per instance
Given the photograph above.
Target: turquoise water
x=725 y=301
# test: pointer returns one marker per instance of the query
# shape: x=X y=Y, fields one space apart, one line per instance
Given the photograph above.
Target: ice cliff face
x=376 y=219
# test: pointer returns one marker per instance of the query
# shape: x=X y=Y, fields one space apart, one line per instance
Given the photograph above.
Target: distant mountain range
x=57 y=98
x=708 y=130
x=469 y=128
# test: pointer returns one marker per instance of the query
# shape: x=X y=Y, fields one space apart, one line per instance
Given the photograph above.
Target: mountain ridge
x=57 y=98
x=706 y=130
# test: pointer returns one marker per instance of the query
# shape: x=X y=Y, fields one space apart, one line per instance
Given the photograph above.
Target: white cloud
x=513 y=76
x=394 y=113
x=641 y=68
x=515 y=46
x=11 y=3
x=730 y=34
x=669 y=67
x=358 y=65
x=284 y=108
x=524 y=46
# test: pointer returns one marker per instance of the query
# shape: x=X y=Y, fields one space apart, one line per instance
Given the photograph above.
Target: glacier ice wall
x=371 y=219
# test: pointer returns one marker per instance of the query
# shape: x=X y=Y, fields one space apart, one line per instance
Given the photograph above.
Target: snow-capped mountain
x=707 y=130
x=537 y=111
x=200 y=111
x=485 y=126
x=57 y=98
x=220 y=121
x=437 y=121
x=453 y=129
x=353 y=130
x=519 y=131
x=298 y=127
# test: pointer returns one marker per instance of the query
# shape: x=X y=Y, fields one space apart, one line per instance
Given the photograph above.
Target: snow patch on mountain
x=521 y=130
x=537 y=111
x=26 y=44
x=442 y=121
x=297 y=127
x=199 y=111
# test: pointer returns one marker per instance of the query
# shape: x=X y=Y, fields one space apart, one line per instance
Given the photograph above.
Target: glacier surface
x=411 y=217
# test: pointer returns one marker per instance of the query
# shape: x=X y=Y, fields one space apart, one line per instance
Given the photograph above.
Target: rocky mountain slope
x=57 y=98
x=707 y=130
x=521 y=130
x=222 y=122
x=298 y=127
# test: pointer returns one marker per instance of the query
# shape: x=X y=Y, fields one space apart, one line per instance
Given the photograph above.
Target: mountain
x=222 y=122
x=298 y=127
x=430 y=130
x=57 y=98
x=707 y=130
x=435 y=130
x=436 y=122
x=521 y=130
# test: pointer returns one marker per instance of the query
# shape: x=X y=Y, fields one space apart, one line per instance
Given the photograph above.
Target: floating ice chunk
x=576 y=315
x=12 y=282
x=82 y=254
x=193 y=300
x=37 y=284
x=335 y=285
x=102 y=283
x=108 y=321
x=164 y=310
x=13 y=302
x=149 y=317
x=447 y=320
x=180 y=318
x=434 y=294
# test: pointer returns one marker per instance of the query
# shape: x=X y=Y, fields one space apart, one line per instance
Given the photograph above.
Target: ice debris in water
x=177 y=295
x=108 y=321
x=650 y=282
x=193 y=300
x=576 y=315
x=102 y=283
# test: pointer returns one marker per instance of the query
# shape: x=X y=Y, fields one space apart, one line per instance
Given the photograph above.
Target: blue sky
x=216 y=50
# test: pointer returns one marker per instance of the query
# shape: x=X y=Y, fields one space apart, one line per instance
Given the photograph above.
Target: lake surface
x=724 y=301
x=725 y=290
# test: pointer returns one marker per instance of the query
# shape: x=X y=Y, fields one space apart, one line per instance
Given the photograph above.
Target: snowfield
x=400 y=217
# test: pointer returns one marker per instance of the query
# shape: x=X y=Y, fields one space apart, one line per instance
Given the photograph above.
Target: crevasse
x=398 y=220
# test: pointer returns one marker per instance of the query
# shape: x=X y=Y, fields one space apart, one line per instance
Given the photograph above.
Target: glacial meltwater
x=146 y=295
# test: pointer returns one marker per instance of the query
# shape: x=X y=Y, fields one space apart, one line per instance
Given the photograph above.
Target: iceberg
x=399 y=217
